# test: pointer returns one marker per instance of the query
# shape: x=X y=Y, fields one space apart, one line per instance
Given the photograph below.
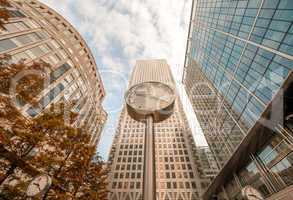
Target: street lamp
x=150 y=102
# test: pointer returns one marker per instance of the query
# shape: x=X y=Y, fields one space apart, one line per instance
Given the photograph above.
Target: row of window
x=53 y=93
x=163 y=185
x=125 y=153
x=175 y=145
x=131 y=146
x=18 y=41
x=69 y=34
x=171 y=151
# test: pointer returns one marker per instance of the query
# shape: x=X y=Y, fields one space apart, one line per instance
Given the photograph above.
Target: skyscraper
x=238 y=76
x=34 y=32
x=177 y=176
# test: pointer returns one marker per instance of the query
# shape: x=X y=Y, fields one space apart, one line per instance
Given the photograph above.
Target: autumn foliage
x=48 y=143
x=4 y=13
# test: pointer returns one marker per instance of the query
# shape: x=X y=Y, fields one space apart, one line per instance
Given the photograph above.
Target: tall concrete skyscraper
x=177 y=175
x=35 y=32
x=238 y=76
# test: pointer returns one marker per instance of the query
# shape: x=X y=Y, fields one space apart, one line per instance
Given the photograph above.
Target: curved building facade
x=35 y=32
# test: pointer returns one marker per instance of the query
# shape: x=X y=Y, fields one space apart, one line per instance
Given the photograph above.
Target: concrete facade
x=177 y=175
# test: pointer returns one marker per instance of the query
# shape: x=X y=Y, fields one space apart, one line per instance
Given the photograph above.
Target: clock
x=39 y=185
x=150 y=98
x=250 y=193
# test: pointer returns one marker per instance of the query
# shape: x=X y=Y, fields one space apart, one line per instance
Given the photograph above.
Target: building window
x=51 y=95
x=138 y=185
x=44 y=101
x=18 y=41
x=6 y=44
x=14 y=27
x=59 y=72
x=16 y=13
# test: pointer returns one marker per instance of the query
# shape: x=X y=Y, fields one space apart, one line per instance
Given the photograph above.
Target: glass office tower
x=238 y=74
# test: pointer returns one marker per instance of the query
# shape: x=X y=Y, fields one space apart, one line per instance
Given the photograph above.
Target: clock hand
x=154 y=97
x=38 y=185
x=141 y=94
x=151 y=96
x=253 y=195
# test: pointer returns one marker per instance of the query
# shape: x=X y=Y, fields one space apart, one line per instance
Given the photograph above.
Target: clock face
x=38 y=185
x=150 y=96
x=251 y=193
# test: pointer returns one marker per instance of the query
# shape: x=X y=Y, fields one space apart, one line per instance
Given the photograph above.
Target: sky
x=118 y=33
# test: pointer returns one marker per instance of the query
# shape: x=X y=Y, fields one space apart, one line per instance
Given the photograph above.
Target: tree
x=47 y=144
x=73 y=160
x=68 y=159
x=4 y=13
x=95 y=181
x=29 y=85
x=17 y=133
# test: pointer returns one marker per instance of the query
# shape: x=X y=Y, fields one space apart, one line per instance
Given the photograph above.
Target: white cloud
x=126 y=30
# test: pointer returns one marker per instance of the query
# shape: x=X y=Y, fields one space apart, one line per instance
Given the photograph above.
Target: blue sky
x=122 y=31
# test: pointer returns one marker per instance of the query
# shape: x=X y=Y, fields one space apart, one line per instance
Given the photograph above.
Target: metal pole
x=149 y=174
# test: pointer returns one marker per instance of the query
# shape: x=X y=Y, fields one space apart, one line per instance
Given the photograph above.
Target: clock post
x=149 y=174
x=150 y=102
